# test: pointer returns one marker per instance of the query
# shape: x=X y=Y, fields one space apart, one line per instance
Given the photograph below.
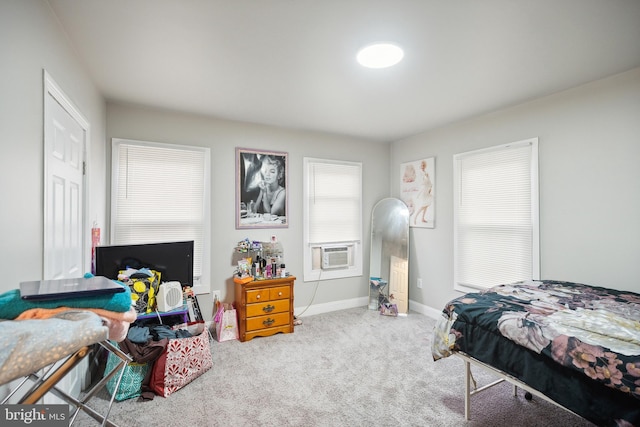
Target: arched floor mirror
x=389 y=259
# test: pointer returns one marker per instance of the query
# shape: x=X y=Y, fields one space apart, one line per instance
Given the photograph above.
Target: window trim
x=535 y=219
x=312 y=249
x=201 y=285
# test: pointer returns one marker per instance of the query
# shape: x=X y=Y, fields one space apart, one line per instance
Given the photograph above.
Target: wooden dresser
x=264 y=307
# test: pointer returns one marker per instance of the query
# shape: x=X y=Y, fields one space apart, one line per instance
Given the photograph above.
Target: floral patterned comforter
x=590 y=330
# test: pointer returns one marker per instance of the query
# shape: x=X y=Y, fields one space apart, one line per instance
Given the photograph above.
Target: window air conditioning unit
x=335 y=257
x=169 y=296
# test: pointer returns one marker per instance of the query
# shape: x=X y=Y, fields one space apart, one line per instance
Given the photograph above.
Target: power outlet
x=216 y=296
x=419 y=284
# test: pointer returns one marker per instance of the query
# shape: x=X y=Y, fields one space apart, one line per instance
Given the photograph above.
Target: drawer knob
x=268 y=308
x=268 y=322
x=258 y=296
x=279 y=294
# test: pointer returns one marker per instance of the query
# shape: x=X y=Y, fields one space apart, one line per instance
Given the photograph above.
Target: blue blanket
x=12 y=304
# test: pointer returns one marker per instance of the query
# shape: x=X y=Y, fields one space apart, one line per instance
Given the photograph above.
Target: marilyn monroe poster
x=261 y=189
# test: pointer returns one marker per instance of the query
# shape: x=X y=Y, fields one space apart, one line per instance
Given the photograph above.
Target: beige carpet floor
x=346 y=368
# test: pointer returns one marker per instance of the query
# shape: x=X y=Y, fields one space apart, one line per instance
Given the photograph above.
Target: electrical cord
x=313 y=297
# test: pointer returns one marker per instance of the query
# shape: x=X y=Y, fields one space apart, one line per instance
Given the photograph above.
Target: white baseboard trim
x=359 y=302
x=425 y=309
x=331 y=306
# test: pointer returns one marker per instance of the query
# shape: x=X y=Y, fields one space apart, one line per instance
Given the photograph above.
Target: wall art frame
x=262 y=190
x=417 y=191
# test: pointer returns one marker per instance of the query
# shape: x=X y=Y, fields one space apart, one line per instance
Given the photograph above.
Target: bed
x=575 y=345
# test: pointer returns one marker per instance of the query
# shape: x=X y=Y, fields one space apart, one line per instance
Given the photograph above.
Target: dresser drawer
x=258 y=295
x=269 y=321
x=280 y=292
x=269 y=307
x=268 y=294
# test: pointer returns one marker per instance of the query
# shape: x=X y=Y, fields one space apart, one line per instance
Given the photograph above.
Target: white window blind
x=159 y=194
x=332 y=214
x=496 y=215
x=334 y=202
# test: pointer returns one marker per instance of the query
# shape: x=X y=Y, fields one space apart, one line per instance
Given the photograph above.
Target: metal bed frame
x=468 y=380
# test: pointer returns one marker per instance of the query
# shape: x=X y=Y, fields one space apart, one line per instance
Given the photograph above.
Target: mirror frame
x=389 y=241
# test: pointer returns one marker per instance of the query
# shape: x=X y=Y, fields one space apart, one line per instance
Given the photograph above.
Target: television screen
x=173 y=259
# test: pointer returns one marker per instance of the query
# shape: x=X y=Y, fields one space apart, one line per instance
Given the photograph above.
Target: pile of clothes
x=145 y=344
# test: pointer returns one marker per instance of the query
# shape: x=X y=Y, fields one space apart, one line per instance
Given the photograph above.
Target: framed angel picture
x=261 y=189
x=417 y=190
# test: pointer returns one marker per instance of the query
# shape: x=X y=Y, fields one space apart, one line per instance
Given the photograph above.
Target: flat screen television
x=173 y=259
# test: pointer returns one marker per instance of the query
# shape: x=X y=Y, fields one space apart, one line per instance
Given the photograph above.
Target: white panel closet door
x=65 y=139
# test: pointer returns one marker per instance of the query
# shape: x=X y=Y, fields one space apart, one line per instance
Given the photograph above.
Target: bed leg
x=467 y=390
x=515 y=390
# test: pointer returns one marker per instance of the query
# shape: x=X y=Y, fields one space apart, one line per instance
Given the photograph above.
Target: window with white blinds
x=333 y=213
x=160 y=194
x=496 y=216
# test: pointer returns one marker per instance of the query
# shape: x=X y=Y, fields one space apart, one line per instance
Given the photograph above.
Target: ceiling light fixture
x=380 y=55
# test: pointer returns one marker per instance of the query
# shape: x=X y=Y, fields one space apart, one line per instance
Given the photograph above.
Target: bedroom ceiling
x=291 y=63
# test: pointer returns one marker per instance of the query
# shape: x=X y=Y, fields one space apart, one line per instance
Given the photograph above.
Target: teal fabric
x=131 y=383
x=12 y=305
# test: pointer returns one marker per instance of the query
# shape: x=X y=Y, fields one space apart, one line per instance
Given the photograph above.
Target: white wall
x=131 y=122
x=589 y=150
x=31 y=40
